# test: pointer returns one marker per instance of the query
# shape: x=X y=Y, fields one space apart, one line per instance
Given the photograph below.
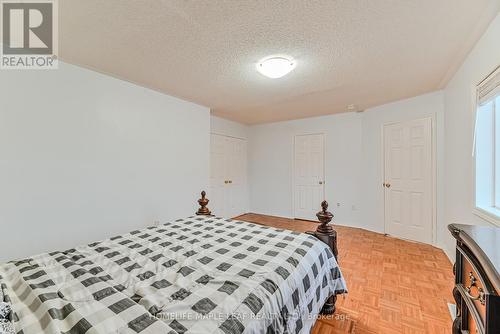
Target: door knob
x=388 y=185
x=226 y=182
x=230 y=181
x=320 y=182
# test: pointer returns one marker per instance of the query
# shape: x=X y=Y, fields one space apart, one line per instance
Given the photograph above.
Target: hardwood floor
x=395 y=286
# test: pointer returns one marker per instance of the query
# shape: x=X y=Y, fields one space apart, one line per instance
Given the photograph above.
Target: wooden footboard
x=324 y=233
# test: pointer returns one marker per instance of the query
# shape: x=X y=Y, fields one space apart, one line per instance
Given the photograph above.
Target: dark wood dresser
x=477 y=279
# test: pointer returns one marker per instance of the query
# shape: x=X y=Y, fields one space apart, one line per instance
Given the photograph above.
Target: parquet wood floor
x=395 y=286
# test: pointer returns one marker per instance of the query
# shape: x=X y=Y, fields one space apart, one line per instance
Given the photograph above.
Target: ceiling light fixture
x=276 y=67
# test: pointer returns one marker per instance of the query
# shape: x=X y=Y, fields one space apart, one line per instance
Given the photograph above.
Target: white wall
x=271 y=165
x=459 y=102
x=353 y=160
x=85 y=156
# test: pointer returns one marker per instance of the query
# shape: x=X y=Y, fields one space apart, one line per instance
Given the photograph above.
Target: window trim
x=486 y=215
x=491 y=215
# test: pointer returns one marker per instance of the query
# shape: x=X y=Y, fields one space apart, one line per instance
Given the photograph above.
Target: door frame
x=293 y=169
x=432 y=119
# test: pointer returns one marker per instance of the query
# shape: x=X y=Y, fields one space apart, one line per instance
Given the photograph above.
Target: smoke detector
x=352 y=107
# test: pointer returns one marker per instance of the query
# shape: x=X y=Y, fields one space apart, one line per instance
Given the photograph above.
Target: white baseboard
x=453 y=310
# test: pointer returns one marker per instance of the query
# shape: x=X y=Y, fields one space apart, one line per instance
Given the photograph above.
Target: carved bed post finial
x=324 y=217
x=203 y=201
x=328 y=235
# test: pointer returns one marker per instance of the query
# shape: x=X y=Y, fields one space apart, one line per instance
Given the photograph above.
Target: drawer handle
x=473 y=284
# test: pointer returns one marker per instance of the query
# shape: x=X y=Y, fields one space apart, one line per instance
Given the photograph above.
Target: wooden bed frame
x=324 y=233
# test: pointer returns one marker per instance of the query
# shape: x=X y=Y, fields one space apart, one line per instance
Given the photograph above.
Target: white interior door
x=228 y=176
x=408 y=180
x=236 y=168
x=309 y=175
x=218 y=158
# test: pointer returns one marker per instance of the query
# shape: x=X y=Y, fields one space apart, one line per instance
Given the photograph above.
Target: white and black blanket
x=195 y=275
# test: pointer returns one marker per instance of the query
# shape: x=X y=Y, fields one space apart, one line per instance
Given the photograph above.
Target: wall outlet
x=353 y=207
x=338 y=205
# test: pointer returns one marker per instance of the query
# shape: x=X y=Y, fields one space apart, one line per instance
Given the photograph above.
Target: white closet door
x=236 y=174
x=218 y=158
x=408 y=180
x=309 y=175
x=228 y=182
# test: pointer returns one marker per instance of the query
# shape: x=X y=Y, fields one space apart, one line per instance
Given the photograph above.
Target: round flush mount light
x=276 y=67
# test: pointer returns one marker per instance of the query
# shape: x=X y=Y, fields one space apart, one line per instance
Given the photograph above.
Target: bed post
x=325 y=231
x=203 y=201
x=328 y=235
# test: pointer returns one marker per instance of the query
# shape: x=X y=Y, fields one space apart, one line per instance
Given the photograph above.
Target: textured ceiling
x=362 y=52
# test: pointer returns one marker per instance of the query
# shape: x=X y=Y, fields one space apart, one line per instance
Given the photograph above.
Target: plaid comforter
x=195 y=275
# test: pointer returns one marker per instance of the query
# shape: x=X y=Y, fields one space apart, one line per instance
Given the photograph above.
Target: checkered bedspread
x=194 y=275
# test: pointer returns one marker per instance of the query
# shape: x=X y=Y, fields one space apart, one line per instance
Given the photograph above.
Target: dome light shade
x=275 y=67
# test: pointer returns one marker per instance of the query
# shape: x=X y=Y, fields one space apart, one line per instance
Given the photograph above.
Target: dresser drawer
x=477 y=279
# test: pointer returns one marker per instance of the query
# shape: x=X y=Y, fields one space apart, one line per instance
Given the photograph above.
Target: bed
x=202 y=274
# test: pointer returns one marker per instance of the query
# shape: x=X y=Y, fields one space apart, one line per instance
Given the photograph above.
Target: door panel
x=416 y=209
x=408 y=180
x=309 y=175
x=236 y=189
x=217 y=174
x=228 y=176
